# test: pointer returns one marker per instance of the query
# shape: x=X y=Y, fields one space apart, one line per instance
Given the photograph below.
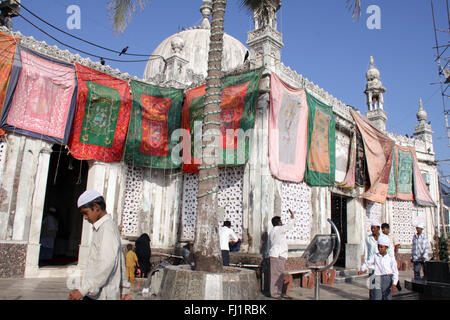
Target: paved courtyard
x=56 y=289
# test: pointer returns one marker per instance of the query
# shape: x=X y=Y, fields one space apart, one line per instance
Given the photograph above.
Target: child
x=131 y=263
x=386 y=272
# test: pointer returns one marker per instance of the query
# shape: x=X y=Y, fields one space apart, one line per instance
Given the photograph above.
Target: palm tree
x=207 y=255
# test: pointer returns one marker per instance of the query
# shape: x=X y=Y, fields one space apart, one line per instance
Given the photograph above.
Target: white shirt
x=383 y=265
x=371 y=247
x=277 y=240
x=226 y=235
x=105 y=274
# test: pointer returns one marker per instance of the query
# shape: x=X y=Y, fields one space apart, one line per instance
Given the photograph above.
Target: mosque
x=36 y=175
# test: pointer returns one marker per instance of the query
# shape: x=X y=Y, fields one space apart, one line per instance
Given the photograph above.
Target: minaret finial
x=206 y=10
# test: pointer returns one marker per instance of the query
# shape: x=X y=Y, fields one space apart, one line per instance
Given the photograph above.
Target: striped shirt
x=420 y=247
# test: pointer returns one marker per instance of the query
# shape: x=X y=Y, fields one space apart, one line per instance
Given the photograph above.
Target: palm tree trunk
x=207 y=254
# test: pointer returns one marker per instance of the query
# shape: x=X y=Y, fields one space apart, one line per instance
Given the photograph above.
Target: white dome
x=193 y=45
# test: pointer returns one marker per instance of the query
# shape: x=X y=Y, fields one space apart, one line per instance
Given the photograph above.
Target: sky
x=321 y=42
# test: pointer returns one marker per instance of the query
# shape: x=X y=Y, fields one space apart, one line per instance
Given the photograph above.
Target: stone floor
x=57 y=289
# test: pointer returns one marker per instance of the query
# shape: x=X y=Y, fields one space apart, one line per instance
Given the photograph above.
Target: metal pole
x=317 y=288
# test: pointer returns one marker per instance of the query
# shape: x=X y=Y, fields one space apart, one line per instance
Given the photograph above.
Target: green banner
x=321 y=153
x=101 y=114
x=156 y=114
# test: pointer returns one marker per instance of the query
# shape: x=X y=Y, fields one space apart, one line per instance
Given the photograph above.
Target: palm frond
x=259 y=6
x=355 y=6
x=122 y=11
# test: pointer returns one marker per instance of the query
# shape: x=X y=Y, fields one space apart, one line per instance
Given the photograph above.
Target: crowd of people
x=381 y=256
x=109 y=272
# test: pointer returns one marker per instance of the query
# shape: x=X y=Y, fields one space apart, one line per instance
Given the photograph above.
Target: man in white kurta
x=105 y=274
x=278 y=254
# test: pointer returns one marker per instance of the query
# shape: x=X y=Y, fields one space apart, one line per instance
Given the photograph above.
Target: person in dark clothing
x=143 y=253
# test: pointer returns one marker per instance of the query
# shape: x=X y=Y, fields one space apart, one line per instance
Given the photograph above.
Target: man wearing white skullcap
x=420 y=249
x=105 y=274
x=371 y=246
x=385 y=274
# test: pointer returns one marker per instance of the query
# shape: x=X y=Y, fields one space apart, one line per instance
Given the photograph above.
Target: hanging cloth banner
x=239 y=101
x=102 y=115
x=156 y=115
x=379 y=156
x=401 y=174
x=350 y=177
x=42 y=103
x=321 y=152
x=421 y=193
x=288 y=131
x=8 y=49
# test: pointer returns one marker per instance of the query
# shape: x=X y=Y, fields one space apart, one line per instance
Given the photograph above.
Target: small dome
x=193 y=46
x=422 y=115
x=373 y=72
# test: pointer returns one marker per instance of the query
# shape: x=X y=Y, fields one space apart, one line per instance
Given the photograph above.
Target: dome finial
x=422 y=115
x=206 y=10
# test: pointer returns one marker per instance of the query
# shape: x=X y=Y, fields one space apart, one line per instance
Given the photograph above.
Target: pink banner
x=288 y=128
x=43 y=96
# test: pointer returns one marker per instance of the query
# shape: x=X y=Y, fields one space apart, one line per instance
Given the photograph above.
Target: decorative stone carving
x=266 y=15
x=132 y=200
x=297 y=197
x=229 y=198
x=403 y=214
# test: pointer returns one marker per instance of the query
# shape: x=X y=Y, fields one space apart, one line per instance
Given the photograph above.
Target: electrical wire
x=79 y=50
x=86 y=41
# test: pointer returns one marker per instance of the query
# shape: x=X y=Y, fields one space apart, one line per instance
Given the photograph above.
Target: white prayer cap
x=420 y=225
x=383 y=240
x=375 y=223
x=87 y=197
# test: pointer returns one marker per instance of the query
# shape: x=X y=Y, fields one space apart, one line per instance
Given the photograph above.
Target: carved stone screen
x=404 y=216
x=132 y=200
x=229 y=198
x=297 y=197
x=373 y=213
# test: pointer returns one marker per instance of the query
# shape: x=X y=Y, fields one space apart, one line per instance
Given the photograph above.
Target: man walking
x=105 y=274
x=278 y=254
x=420 y=249
x=226 y=234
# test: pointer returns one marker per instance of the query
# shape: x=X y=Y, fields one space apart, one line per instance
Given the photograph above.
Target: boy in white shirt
x=386 y=273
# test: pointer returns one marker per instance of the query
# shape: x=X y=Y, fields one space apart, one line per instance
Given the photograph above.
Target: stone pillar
x=32 y=258
x=354 y=248
x=258 y=183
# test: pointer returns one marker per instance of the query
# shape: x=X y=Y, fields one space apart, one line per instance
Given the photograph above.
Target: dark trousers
x=417 y=268
x=226 y=257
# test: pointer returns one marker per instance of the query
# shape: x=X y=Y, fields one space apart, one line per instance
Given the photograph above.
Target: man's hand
x=292 y=214
x=360 y=272
x=75 y=295
x=126 y=297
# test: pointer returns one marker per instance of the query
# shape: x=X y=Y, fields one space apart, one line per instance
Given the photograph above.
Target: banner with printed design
x=102 y=116
x=238 y=108
x=42 y=102
x=155 y=116
x=288 y=131
x=321 y=152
